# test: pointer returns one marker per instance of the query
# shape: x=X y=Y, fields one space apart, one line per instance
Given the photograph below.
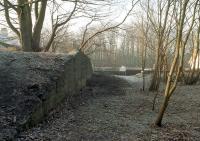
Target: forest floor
x=115 y=109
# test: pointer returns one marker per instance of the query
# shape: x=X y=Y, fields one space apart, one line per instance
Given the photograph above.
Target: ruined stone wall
x=32 y=84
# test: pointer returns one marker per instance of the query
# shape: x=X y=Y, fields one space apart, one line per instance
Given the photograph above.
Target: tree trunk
x=162 y=111
x=177 y=63
x=25 y=22
x=154 y=81
x=38 y=26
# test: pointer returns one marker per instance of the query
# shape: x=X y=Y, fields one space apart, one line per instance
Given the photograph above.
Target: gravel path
x=115 y=109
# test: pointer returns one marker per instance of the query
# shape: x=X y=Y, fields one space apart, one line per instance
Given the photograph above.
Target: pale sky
x=117 y=13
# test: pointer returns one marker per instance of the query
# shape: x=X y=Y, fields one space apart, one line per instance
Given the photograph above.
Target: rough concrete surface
x=32 y=84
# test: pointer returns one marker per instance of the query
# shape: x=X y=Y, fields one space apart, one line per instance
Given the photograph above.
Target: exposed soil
x=115 y=109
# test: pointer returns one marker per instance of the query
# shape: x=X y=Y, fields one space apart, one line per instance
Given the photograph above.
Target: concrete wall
x=35 y=83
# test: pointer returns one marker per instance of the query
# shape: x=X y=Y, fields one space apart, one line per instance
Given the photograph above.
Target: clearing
x=114 y=108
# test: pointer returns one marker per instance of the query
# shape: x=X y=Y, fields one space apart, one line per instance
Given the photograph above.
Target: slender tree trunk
x=177 y=63
x=162 y=111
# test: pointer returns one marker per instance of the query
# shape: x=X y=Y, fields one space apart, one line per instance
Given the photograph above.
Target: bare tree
x=177 y=63
x=85 y=41
x=30 y=18
x=159 y=23
x=29 y=33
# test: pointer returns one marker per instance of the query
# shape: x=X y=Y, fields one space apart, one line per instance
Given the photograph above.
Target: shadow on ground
x=113 y=109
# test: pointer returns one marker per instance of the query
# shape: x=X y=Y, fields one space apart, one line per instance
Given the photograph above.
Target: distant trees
x=112 y=49
x=129 y=45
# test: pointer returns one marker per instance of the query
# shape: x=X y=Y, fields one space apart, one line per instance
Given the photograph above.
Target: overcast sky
x=117 y=12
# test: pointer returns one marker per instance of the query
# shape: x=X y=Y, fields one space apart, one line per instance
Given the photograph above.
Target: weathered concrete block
x=31 y=84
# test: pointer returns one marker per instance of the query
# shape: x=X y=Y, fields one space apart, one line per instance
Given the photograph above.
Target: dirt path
x=114 y=109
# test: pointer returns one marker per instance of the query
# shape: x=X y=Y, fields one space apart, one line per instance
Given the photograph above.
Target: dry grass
x=9 y=49
x=110 y=109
